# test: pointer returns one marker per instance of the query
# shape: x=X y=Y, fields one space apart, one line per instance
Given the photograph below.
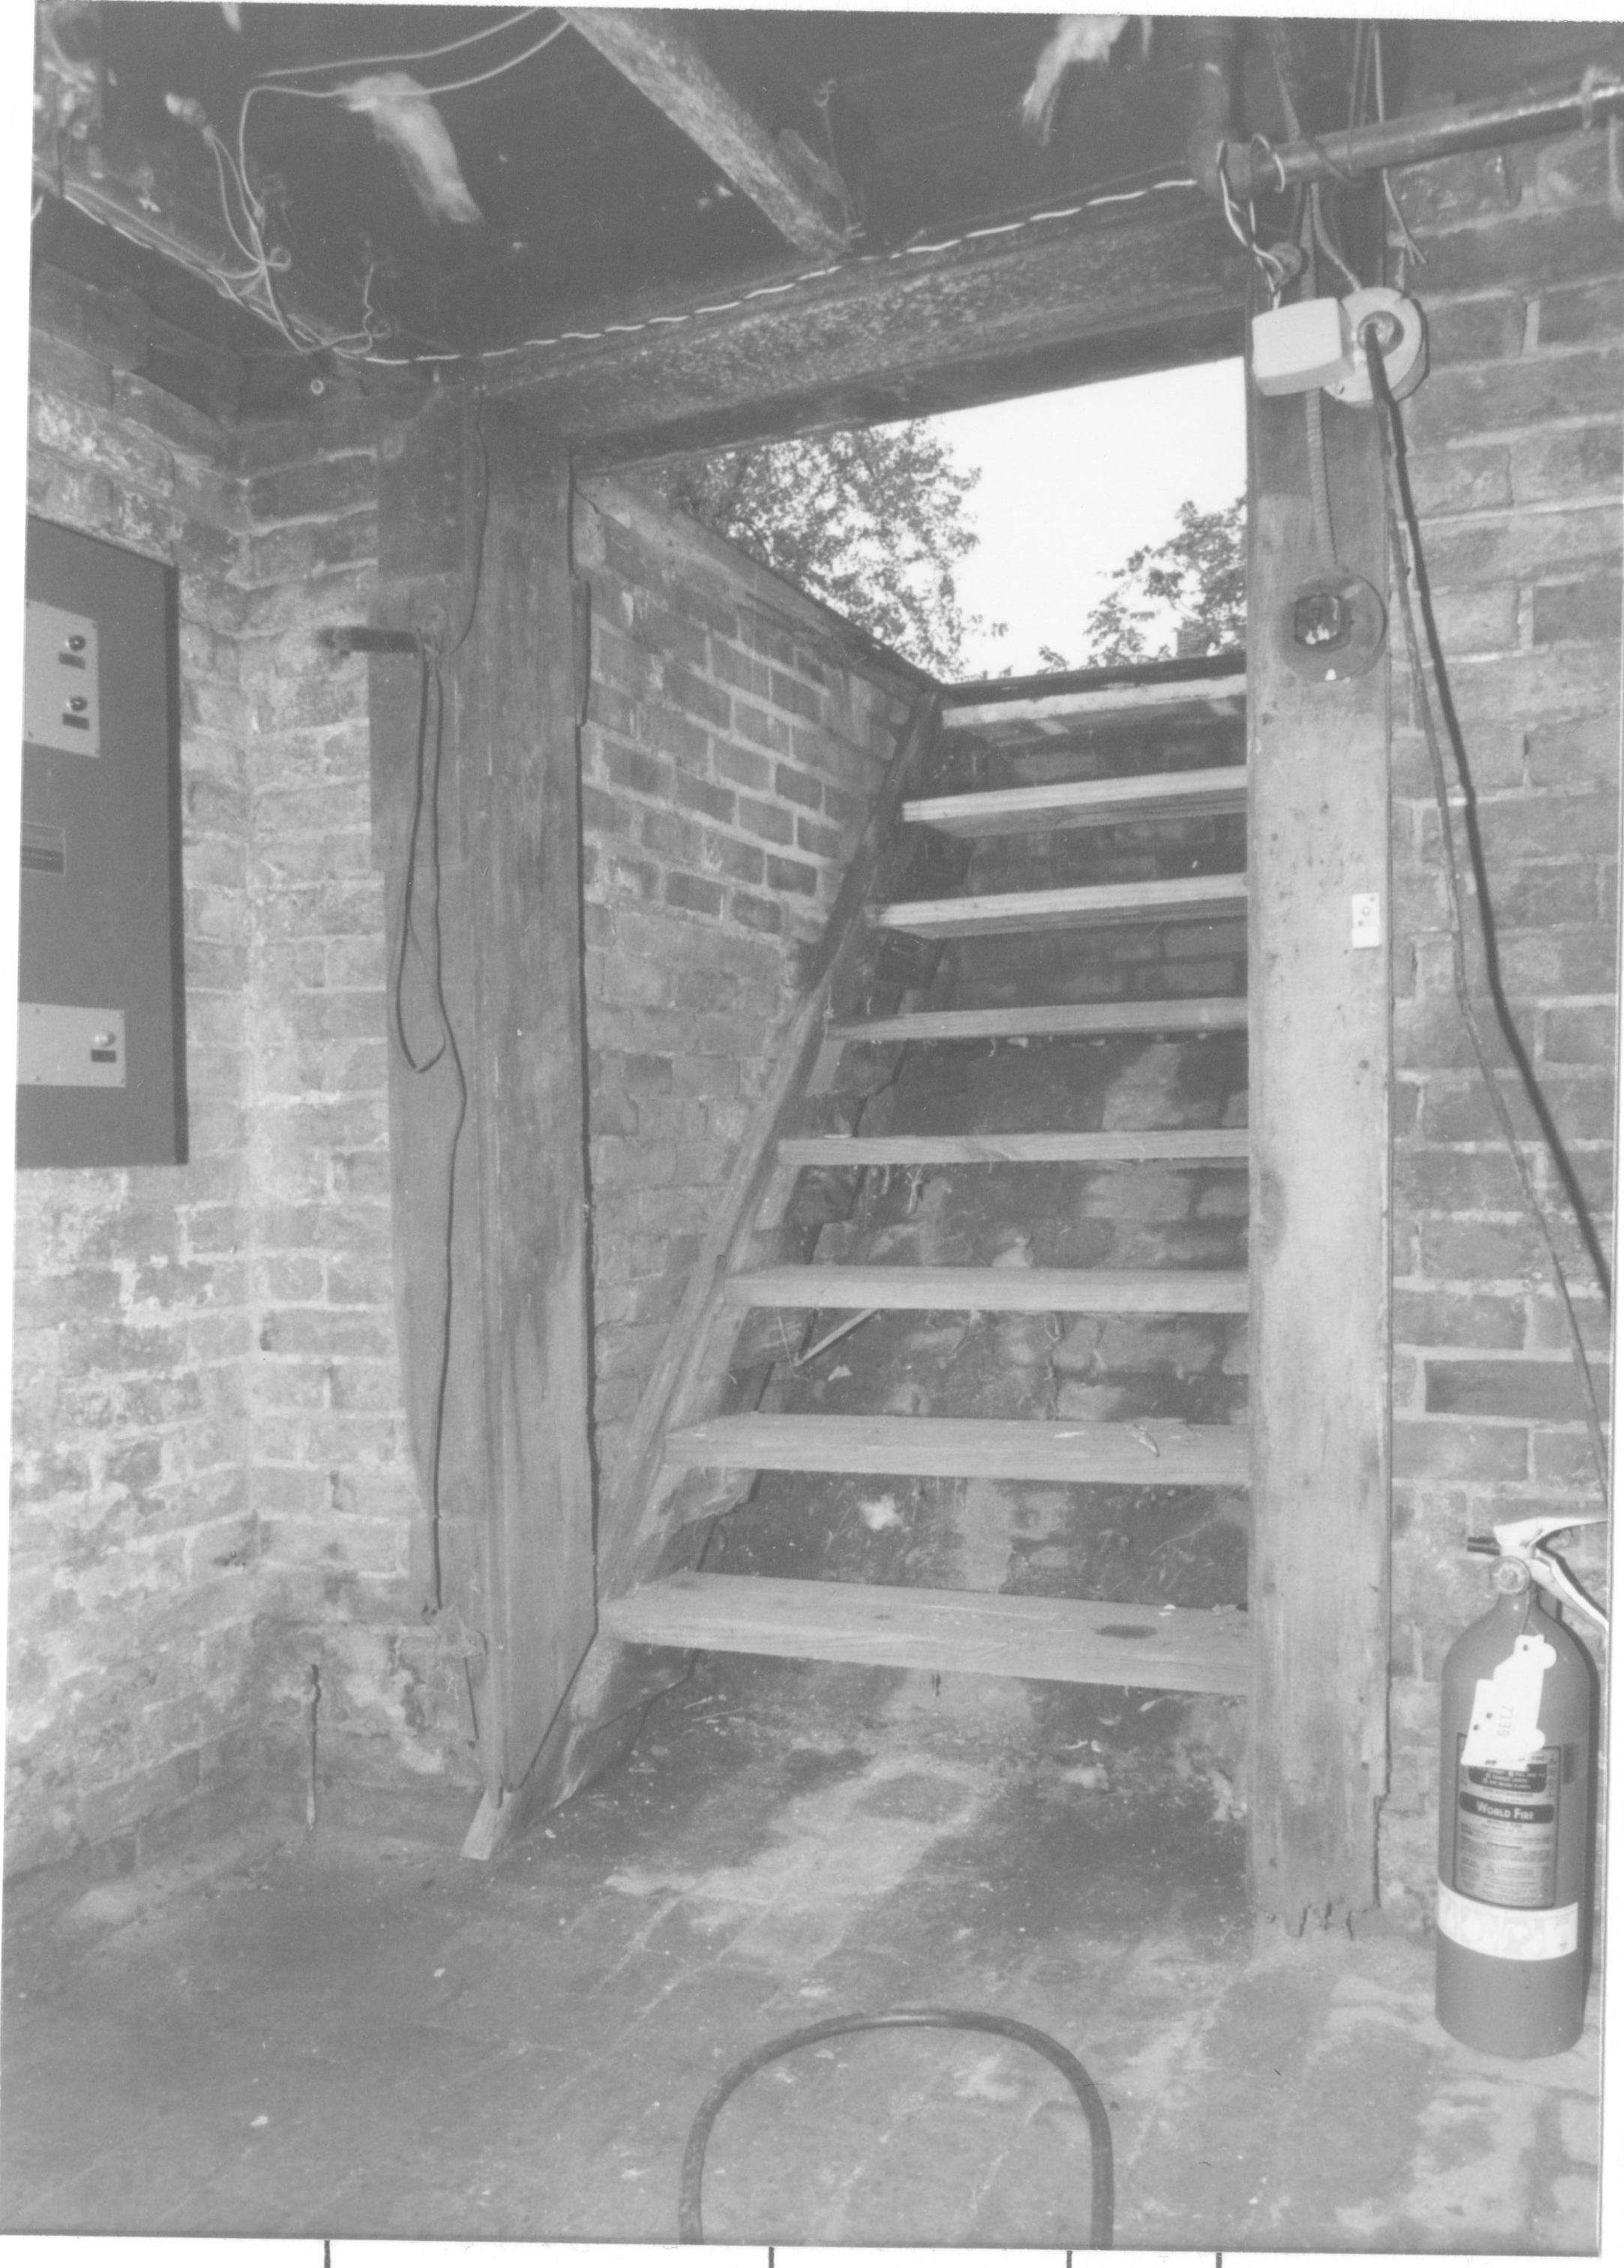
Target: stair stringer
x=656 y=1518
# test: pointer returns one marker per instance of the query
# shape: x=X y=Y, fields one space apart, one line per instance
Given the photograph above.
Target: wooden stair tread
x=1186 y=897
x=1221 y=1145
x=1076 y=1641
x=1223 y=694
x=1082 y=803
x=1084 y=1019
x=1160 y=1453
x=1024 y=1291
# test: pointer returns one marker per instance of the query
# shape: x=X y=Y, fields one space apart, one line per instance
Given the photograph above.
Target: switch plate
x=61 y=680
x=1366 y=925
x=68 y=1047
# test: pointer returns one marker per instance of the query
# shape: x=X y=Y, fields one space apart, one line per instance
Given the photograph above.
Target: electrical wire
x=457 y=85
x=1313 y=403
x=411 y=55
x=443 y=1381
x=426 y=803
x=432 y=655
x=1102 y=2197
x=1413 y=251
x=1401 y=502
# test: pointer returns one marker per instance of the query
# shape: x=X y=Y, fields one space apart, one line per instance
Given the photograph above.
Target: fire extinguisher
x=1517 y=1761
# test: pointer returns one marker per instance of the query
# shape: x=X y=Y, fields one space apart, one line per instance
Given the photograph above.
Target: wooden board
x=1221 y=1145
x=663 y=63
x=1002 y=1291
x=1161 y=1453
x=1073 y=1641
x=1155 y=702
x=1192 y=897
x=526 y=1065
x=516 y=1491
x=1085 y=1019
x=1084 y=803
x=933 y=326
x=1320 y=1070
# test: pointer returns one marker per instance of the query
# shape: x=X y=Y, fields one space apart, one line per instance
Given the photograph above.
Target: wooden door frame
x=1321 y=1084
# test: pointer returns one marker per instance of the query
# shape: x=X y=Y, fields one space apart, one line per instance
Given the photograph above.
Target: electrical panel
x=100 y=1044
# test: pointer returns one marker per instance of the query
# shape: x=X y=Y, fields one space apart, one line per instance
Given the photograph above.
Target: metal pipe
x=1254 y=168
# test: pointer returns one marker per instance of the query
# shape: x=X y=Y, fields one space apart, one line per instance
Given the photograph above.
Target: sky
x=1072 y=483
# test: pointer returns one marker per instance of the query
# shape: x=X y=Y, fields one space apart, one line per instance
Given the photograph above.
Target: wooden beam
x=527 y=1072
x=514 y=1467
x=900 y=334
x=800 y=196
x=1321 y=1075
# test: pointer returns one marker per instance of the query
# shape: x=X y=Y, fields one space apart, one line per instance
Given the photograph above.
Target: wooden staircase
x=702 y=1459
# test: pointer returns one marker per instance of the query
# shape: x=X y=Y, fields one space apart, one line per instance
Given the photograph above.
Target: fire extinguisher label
x=1507 y=1936
x=1505 y=1830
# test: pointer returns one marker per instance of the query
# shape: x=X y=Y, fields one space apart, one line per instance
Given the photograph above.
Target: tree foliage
x=874 y=522
x=1187 y=595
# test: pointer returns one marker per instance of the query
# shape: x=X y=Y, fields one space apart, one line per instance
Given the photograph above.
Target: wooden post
x=475 y=519
x=1321 y=1075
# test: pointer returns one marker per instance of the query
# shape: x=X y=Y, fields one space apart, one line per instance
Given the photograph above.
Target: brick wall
x=1516 y=440
x=132 y=1541
x=214 y=1503
x=737 y=735
x=341 y=1620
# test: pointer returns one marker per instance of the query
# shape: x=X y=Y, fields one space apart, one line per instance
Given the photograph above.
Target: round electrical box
x=1333 y=627
x=1402 y=339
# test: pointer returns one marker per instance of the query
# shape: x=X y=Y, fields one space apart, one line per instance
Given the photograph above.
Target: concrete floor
x=338 y=2036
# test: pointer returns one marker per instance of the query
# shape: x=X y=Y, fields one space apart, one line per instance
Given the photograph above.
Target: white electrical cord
x=411 y=55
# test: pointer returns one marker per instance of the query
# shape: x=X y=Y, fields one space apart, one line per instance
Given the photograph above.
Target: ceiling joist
x=801 y=195
x=1019 y=310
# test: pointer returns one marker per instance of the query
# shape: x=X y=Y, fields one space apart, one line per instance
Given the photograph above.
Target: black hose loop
x=690 y=2227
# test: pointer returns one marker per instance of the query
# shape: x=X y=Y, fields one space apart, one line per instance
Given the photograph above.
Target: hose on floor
x=690 y=2227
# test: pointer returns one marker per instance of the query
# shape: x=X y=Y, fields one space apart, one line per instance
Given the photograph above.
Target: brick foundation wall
x=1516 y=441
x=737 y=735
x=132 y=1541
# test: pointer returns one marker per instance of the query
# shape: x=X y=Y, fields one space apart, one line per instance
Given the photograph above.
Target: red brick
x=1568 y=466
x=1578 y=312
x=1446 y=190
x=1456 y=404
x=1442 y=1449
x=694 y=896
x=1534 y=248
x=1519 y=1390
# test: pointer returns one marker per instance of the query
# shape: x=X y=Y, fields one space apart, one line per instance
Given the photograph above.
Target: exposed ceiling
x=590 y=202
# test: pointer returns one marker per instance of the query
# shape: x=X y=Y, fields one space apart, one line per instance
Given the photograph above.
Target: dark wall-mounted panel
x=100 y=1055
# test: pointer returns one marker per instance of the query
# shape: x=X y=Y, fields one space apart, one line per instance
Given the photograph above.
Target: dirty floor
x=332 y=2036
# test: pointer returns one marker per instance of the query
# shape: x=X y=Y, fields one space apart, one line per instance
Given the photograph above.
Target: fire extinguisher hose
x=1102 y=2199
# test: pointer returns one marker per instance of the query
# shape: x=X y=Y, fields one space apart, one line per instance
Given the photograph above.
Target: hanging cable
x=449 y=1048
x=410 y=55
x=1400 y=500
x=1102 y=2203
x=457 y=85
